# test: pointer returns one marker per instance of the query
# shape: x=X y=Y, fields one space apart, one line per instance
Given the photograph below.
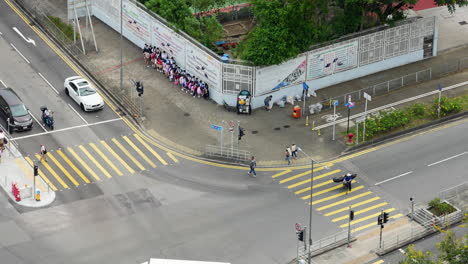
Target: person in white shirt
x=43 y=153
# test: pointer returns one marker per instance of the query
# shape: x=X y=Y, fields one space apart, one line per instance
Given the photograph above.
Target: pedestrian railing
x=229 y=153
x=458 y=192
x=331 y=242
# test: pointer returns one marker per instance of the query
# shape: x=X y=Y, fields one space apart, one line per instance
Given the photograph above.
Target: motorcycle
x=341 y=178
x=47 y=119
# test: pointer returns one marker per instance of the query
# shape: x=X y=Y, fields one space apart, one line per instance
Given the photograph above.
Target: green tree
x=174 y=11
x=413 y=256
x=453 y=250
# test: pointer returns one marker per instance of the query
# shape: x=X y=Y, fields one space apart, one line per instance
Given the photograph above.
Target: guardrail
x=227 y=152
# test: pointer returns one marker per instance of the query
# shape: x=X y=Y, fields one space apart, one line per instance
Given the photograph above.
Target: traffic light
x=385 y=217
x=139 y=87
x=241 y=133
x=36 y=170
x=300 y=235
x=351 y=215
x=379 y=220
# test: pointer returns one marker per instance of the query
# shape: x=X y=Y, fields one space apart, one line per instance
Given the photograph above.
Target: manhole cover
x=286 y=126
x=277 y=128
x=186 y=114
x=462 y=23
x=255 y=132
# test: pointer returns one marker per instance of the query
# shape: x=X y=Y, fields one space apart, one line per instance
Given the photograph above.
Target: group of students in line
x=161 y=61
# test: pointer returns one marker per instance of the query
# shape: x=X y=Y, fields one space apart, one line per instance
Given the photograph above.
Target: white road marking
x=3 y=83
x=86 y=122
x=45 y=80
x=20 y=53
x=28 y=40
x=396 y=177
x=68 y=128
x=37 y=121
x=440 y=161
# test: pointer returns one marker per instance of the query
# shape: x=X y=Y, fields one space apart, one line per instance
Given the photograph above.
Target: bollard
x=38 y=195
x=307 y=121
x=318 y=132
x=313 y=125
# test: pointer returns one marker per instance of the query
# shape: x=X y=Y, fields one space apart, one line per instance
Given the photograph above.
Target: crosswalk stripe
x=379 y=262
x=281 y=173
x=78 y=171
x=150 y=149
x=372 y=224
x=352 y=206
x=343 y=201
x=104 y=157
x=117 y=157
x=367 y=217
x=315 y=178
x=52 y=172
x=80 y=160
x=42 y=174
x=49 y=154
x=172 y=157
x=357 y=188
x=139 y=152
x=85 y=151
x=315 y=186
x=359 y=212
x=28 y=171
x=130 y=156
x=325 y=191
x=299 y=175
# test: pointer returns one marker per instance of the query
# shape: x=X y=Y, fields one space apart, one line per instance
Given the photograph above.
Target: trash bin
x=296 y=111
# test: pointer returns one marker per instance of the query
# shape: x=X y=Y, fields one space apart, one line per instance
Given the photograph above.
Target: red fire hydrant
x=350 y=138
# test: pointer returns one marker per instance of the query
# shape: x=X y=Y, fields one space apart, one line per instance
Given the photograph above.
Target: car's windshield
x=19 y=110
x=86 y=91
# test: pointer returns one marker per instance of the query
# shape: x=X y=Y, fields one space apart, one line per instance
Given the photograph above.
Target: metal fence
x=323 y=243
x=456 y=194
x=227 y=153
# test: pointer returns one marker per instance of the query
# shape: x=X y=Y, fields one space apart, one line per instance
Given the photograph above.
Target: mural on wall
x=136 y=22
x=167 y=40
x=331 y=60
x=272 y=78
x=203 y=66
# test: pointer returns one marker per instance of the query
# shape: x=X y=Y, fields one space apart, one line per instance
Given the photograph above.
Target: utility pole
x=121 y=46
x=310 y=209
x=412 y=208
x=351 y=217
x=438 y=107
x=368 y=98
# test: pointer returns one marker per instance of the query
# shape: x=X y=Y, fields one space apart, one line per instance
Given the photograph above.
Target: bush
x=440 y=208
x=447 y=106
x=417 y=110
x=67 y=29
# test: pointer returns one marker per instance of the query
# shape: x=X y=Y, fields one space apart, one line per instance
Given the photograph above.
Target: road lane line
x=373 y=224
x=352 y=206
x=340 y=185
x=73 y=109
x=315 y=178
x=130 y=156
x=150 y=149
x=35 y=119
x=20 y=53
x=396 y=177
x=107 y=160
x=95 y=161
x=67 y=128
x=440 y=161
x=343 y=201
x=28 y=171
x=45 y=80
x=41 y=174
x=78 y=158
x=139 y=152
x=53 y=172
x=68 y=161
x=49 y=154
x=117 y=157
x=337 y=195
x=356 y=221
x=172 y=157
x=344 y=217
x=281 y=173
x=3 y=84
x=300 y=175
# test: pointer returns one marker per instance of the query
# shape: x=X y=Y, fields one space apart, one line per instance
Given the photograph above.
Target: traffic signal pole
x=310 y=208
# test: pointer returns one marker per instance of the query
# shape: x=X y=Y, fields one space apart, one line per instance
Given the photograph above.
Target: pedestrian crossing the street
x=73 y=167
x=334 y=201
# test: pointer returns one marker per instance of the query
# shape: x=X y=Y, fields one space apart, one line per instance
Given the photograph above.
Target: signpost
x=438 y=107
x=350 y=105
x=231 y=129
x=219 y=128
x=335 y=103
x=368 y=98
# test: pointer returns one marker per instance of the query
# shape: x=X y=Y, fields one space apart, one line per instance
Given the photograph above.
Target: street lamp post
x=121 y=46
x=310 y=209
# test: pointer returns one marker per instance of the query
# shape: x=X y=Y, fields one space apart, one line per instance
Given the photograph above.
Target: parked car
x=14 y=110
x=81 y=91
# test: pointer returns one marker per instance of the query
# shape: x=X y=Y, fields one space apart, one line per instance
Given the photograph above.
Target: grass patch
x=65 y=28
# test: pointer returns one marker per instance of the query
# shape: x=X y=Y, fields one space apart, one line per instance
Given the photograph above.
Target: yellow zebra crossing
x=87 y=163
x=331 y=199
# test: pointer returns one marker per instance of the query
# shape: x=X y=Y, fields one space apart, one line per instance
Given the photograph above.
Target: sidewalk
x=15 y=169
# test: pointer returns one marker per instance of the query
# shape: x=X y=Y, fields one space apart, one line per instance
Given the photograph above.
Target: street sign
x=215 y=127
x=367 y=96
x=298 y=227
x=350 y=105
x=349 y=98
x=336 y=102
x=439 y=87
x=231 y=126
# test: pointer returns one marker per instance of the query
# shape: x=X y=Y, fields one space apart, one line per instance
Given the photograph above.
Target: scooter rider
x=347 y=181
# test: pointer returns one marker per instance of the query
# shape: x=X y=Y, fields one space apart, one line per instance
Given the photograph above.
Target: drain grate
x=186 y=114
x=462 y=23
x=277 y=128
x=286 y=126
x=255 y=132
